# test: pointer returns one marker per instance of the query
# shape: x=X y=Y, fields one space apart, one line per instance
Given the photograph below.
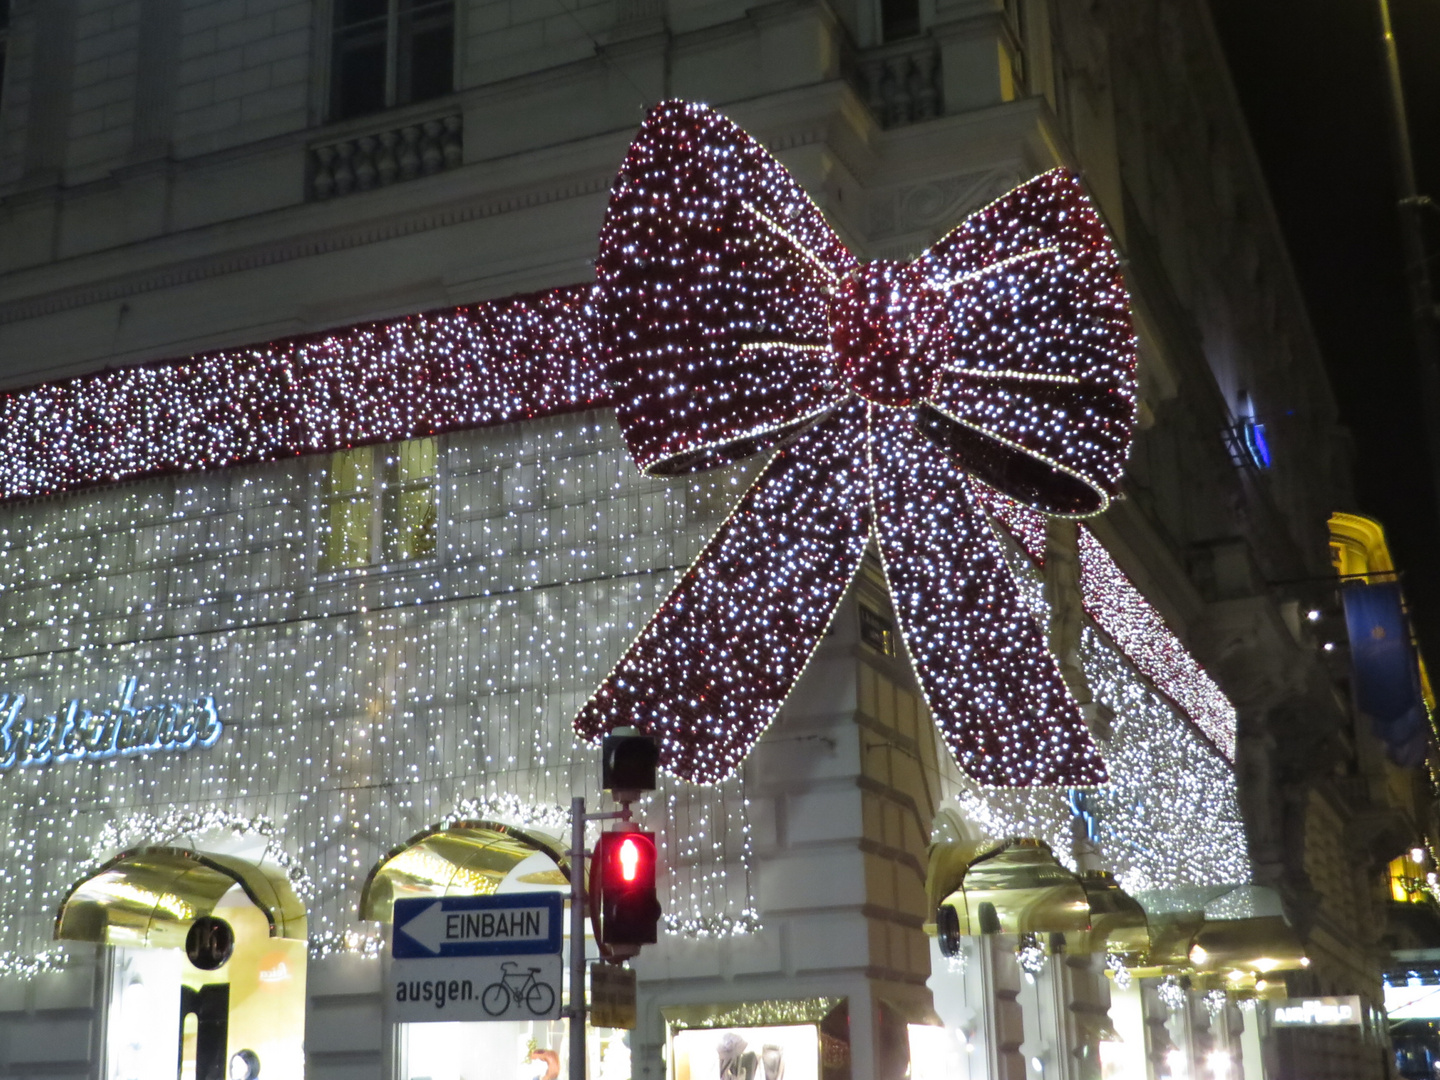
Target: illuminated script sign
x=74 y=733
x=1318 y=1012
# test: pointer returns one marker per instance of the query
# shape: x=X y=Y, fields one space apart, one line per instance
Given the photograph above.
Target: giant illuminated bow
x=733 y=320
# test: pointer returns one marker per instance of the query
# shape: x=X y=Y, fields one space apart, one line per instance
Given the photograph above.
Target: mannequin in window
x=736 y=1063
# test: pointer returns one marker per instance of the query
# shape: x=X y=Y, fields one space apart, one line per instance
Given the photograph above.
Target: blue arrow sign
x=511 y=925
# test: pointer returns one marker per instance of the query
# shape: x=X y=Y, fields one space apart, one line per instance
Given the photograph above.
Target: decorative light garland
x=509 y=808
x=1115 y=964
x=728 y=317
x=179 y=822
x=18 y=966
x=329 y=943
x=1030 y=955
x=1171 y=993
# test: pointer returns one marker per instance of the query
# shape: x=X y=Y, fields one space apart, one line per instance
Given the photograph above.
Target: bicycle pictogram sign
x=515 y=988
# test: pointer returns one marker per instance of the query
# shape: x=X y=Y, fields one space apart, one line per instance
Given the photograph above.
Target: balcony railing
x=389 y=156
x=900 y=82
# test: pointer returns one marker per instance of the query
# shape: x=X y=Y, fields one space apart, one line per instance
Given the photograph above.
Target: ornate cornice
x=307 y=245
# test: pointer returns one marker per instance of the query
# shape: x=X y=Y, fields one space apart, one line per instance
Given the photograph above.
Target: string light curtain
x=359 y=706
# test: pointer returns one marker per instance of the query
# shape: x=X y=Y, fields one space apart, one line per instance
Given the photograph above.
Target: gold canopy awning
x=1117 y=921
x=150 y=896
x=1018 y=887
x=466 y=858
x=1233 y=938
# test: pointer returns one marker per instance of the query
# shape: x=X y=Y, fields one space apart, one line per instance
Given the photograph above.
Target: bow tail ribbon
x=706 y=677
x=990 y=681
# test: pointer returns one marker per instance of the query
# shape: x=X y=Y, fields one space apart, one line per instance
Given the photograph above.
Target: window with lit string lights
x=380 y=505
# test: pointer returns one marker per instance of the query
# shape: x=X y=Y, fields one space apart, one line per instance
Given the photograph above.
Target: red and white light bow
x=732 y=320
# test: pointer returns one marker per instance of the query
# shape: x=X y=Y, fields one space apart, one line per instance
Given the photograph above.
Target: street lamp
x=1423 y=311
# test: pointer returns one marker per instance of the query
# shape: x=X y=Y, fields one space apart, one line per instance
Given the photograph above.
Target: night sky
x=1311 y=77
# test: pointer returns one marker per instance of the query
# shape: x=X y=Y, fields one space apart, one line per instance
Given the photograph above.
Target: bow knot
x=882 y=318
x=732 y=321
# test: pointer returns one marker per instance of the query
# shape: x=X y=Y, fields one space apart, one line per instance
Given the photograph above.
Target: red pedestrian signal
x=629 y=859
x=624 y=907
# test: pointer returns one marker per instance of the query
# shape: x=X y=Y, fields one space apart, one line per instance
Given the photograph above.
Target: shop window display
x=252 y=1006
x=791 y=1052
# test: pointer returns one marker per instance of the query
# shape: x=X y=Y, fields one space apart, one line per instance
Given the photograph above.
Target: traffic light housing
x=624 y=907
x=628 y=761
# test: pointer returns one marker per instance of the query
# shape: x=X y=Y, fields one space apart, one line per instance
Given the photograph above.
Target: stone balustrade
x=900 y=81
x=381 y=158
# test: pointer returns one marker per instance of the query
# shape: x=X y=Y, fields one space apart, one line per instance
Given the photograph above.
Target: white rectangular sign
x=476 y=958
x=452 y=926
x=476 y=988
x=1317 y=1012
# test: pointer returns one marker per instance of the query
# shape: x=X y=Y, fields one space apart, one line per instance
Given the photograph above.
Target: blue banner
x=1385 y=676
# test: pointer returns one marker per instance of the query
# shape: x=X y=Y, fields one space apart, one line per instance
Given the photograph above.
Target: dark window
x=899 y=19
x=390 y=52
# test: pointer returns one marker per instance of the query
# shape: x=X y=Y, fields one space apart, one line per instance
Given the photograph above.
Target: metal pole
x=1412 y=240
x=577 y=938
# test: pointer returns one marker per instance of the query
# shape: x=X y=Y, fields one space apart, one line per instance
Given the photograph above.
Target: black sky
x=1311 y=78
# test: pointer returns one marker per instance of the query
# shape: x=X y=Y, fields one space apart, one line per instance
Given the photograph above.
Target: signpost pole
x=577 y=938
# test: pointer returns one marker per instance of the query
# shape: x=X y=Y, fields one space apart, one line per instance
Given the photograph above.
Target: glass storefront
x=245 y=1015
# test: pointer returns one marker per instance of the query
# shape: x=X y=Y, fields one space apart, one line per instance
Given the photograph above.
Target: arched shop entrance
x=207 y=965
x=464 y=858
x=468 y=858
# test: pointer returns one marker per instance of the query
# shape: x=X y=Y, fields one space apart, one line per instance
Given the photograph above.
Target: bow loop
x=714 y=281
x=1036 y=394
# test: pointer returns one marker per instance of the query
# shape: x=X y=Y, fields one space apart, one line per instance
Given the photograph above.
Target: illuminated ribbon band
x=728 y=319
x=732 y=320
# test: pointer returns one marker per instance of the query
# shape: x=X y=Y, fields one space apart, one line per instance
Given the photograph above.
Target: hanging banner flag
x=1384 y=672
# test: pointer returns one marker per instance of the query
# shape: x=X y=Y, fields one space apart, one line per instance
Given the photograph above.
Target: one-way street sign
x=514 y=924
x=477 y=958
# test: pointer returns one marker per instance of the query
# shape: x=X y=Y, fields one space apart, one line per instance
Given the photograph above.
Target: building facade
x=319 y=682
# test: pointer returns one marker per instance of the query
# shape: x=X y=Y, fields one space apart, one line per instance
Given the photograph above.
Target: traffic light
x=622 y=890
